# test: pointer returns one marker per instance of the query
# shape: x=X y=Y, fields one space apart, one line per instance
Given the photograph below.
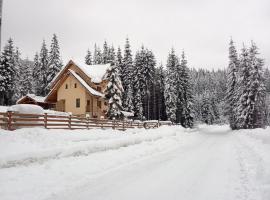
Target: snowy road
x=210 y=163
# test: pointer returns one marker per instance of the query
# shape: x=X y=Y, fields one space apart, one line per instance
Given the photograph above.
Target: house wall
x=71 y=94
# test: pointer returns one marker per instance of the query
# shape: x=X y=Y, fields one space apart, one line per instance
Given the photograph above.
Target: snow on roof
x=38 y=99
x=91 y=90
x=95 y=72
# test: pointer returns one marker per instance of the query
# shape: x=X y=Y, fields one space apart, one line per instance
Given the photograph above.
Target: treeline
x=152 y=91
x=19 y=77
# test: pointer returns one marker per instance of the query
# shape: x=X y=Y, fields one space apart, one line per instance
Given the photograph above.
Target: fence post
x=123 y=125
x=113 y=123
x=69 y=121
x=45 y=120
x=87 y=122
x=9 y=122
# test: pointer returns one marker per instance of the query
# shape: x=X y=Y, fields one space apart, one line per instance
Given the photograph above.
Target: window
x=78 y=103
x=105 y=103
x=88 y=102
x=66 y=86
x=99 y=104
x=75 y=85
x=98 y=88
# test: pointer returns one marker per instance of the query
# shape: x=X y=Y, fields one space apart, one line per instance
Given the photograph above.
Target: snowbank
x=26 y=146
x=27 y=109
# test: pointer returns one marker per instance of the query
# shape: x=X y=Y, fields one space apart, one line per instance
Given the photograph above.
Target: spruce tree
x=105 y=53
x=44 y=64
x=54 y=62
x=170 y=92
x=19 y=76
x=7 y=73
x=187 y=114
x=36 y=74
x=127 y=72
x=119 y=62
x=111 y=56
x=88 y=58
x=97 y=59
x=255 y=110
x=232 y=76
x=113 y=93
x=242 y=89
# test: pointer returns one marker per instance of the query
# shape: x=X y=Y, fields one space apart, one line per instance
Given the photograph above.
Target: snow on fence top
x=26 y=109
x=95 y=72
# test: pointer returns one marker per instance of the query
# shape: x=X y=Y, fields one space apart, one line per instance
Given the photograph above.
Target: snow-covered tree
x=127 y=72
x=88 y=58
x=253 y=113
x=97 y=59
x=242 y=89
x=7 y=73
x=54 y=62
x=113 y=93
x=36 y=74
x=111 y=56
x=170 y=92
x=186 y=104
x=232 y=76
x=26 y=79
x=44 y=64
x=105 y=53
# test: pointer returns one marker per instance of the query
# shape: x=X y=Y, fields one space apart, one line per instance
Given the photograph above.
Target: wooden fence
x=12 y=121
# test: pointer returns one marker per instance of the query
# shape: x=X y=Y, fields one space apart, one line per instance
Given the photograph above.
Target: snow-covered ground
x=208 y=162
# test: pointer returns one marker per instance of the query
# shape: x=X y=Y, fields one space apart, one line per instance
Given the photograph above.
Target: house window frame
x=66 y=87
x=75 y=85
x=99 y=104
x=78 y=102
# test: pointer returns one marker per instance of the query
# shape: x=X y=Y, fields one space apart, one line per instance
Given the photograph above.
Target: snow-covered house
x=79 y=89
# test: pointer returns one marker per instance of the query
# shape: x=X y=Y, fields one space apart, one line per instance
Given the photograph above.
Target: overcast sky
x=201 y=27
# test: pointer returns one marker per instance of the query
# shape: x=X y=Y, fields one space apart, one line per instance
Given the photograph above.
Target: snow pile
x=4 y=108
x=257 y=142
x=26 y=146
x=26 y=109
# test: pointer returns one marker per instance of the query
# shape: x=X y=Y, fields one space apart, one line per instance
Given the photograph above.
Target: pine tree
x=160 y=86
x=7 y=73
x=231 y=97
x=105 y=53
x=242 y=90
x=119 y=62
x=54 y=62
x=187 y=114
x=88 y=58
x=113 y=93
x=26 y=79
x=97 y=59
x=36 y=74
x=170 y=92
x=207 y=112
x=127 y=72
x=44 y=64
x=19 y=75
x=255 y=110
x=111 y=56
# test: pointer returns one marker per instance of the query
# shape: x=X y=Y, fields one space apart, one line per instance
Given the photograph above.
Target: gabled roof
x=35 y=98
x=85 y=85
x=95 y=72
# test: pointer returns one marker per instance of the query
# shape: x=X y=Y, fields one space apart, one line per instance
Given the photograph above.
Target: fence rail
x=12 y=121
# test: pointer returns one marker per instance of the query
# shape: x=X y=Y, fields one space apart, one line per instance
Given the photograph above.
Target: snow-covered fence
x=11 y=120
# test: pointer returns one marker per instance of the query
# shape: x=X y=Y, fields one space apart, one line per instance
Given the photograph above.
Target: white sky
x=201 y=27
